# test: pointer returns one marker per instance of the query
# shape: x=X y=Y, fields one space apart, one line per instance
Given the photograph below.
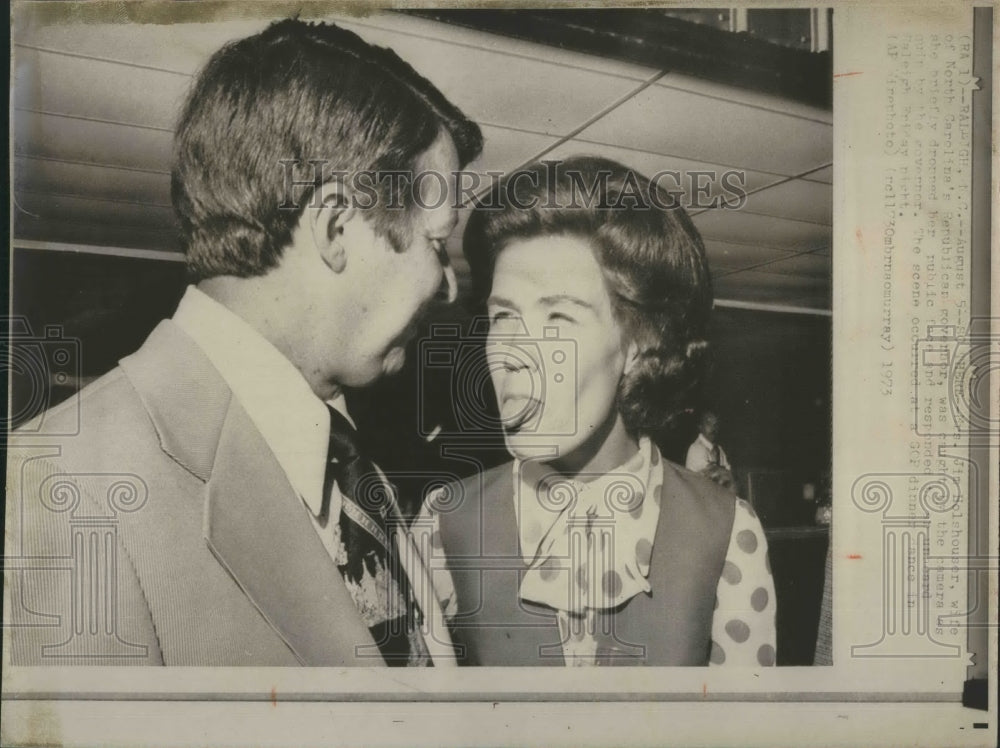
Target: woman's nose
x=513 y=357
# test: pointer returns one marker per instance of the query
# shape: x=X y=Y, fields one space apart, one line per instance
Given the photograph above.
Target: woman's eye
x=560 y=317
x=505 y=322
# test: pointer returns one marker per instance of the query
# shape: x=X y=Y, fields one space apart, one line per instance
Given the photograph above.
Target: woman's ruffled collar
x=588 y=543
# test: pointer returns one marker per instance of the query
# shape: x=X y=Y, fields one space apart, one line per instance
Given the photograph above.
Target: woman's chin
x=531 y=446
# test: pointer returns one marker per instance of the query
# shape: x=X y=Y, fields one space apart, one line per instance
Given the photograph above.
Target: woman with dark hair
x=589 y=547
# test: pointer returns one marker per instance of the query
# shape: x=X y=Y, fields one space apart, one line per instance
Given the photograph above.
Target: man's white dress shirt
x=699 y=455
x=295 y=425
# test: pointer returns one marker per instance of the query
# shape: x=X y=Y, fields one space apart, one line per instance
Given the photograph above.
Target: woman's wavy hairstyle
x=653 y=261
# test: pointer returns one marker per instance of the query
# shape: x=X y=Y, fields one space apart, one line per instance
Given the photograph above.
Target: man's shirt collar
x=275 y=395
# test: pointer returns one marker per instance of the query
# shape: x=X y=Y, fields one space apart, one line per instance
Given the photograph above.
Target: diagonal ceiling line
x=142 y=227
x=778 y=183
x=95 y=164
x=583 y=126
x=808 y=221
x=759 y=107
x=771 y=272
x=765 y=263
x=96 y=58
x=132 y=227
x=644 y=152
x=92 y=198
x=758 y=245
x=820 y=120
x=600 y=115
x=689 y=157
x=97 y=120
x=512 y=128
x=479 y=48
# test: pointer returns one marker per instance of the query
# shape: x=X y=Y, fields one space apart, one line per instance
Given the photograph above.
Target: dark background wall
x=772 y=379
x=771 y=387
x=104 y=306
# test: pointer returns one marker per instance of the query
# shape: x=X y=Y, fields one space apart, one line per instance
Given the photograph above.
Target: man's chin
x=394 y=361
x=373 y=368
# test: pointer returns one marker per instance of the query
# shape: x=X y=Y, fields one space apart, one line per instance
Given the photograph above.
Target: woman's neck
x=606 y=449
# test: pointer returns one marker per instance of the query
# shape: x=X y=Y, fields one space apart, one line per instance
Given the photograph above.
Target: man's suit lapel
x=254 y=522
x=260 y=531
x=186 y=398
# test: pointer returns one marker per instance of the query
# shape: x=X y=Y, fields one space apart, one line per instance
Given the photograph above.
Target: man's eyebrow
x=564 y=299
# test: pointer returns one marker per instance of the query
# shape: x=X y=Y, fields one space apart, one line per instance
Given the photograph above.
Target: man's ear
x=327 y=223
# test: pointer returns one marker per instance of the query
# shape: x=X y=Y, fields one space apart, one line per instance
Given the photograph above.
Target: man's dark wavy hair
x=653 y=261
x=297 y=92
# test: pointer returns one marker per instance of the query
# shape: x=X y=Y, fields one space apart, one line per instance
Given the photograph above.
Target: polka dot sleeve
x=743 y=629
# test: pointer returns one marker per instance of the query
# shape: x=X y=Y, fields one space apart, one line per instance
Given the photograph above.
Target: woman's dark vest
x=670 y=626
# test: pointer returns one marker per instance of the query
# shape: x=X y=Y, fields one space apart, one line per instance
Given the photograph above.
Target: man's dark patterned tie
x=714 y=456
x=371 y=567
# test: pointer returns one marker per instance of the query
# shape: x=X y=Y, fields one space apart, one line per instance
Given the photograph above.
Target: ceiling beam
x=652 y=39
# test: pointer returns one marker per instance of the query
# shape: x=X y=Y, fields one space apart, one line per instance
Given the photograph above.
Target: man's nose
x=447 y=290
x=451 y=282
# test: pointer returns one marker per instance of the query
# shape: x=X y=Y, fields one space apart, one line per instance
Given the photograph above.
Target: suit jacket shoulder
x=217 y=561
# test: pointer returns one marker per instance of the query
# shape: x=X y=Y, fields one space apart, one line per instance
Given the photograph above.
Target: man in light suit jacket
x=180 y=510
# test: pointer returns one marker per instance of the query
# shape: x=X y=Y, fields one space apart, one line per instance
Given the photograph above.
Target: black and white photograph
x=500 y=346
